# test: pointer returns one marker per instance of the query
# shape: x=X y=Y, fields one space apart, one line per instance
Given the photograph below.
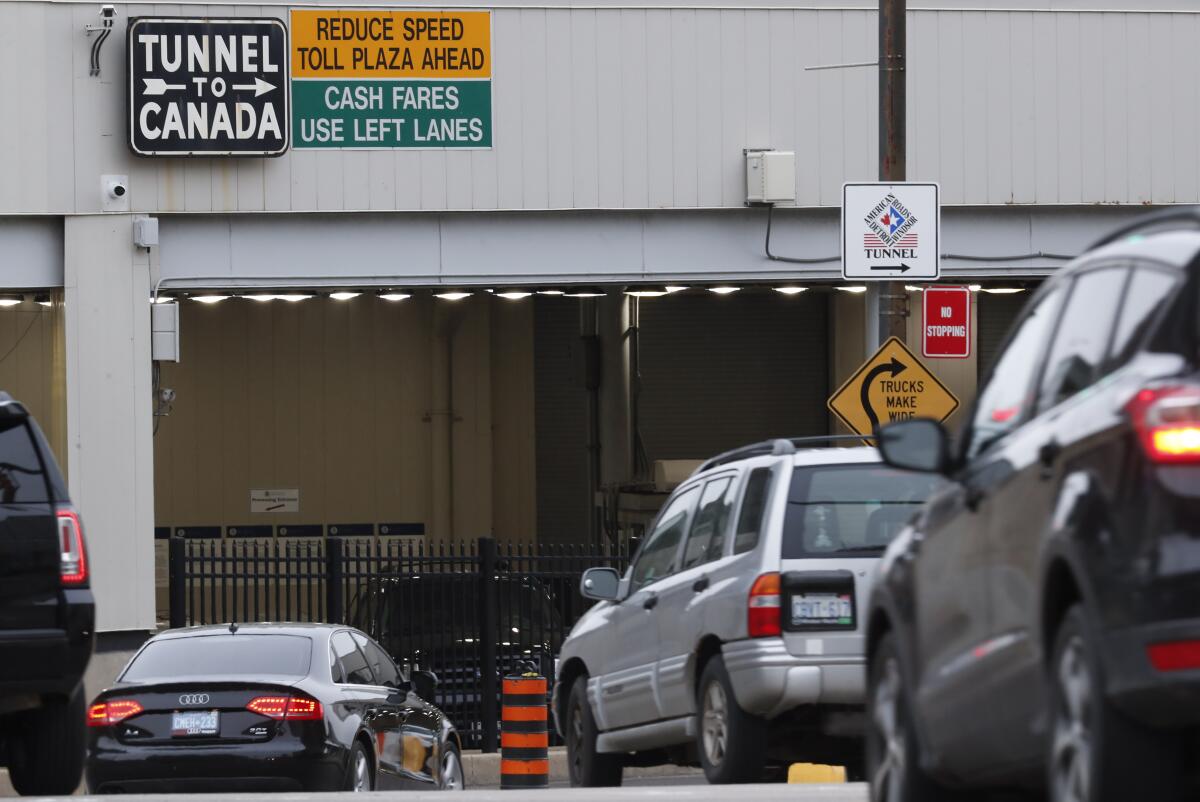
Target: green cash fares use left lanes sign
x=391 y=79
x=392 y=114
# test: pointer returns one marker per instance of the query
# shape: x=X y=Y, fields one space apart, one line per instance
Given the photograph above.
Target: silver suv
x=734 y=640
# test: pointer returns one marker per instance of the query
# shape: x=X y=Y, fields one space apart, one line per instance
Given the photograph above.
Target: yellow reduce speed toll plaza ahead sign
x=892 y=385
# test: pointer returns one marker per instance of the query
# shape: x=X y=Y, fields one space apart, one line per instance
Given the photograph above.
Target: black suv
x=1037 y=626
x=46 y=614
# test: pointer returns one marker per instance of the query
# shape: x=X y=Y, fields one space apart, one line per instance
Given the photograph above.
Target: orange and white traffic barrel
x=524 y=735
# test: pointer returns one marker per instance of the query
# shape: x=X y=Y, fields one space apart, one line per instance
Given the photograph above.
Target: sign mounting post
x=890 y=297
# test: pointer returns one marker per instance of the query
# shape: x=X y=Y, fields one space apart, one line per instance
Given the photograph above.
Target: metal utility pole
x=893 y=300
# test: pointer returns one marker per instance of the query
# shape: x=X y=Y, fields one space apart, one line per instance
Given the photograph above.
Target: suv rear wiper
x=856 y=550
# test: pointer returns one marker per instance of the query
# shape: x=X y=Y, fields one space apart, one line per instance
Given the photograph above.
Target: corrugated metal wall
x=996 y=316
x=718 y=372
x=32 y=365
x=334 y=398
x=560 y=415
x=651 y=107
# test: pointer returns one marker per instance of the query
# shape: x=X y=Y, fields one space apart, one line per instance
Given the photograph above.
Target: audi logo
x=193 y=699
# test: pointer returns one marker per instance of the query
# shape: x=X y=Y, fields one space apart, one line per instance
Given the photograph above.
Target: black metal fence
x=471 y=612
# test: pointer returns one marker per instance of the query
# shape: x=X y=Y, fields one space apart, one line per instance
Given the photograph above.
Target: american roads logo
x=890 y=230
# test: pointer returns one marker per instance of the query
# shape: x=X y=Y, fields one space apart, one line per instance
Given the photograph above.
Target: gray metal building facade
x=619 y=131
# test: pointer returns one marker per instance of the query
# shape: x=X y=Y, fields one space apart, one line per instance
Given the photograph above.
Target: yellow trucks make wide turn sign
x=892 y=385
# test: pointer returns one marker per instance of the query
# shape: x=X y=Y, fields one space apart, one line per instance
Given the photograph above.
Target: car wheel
x=732 y=743
x=1097 y=754
x=893 y=764
x=49 y=751
x=451 y=777
x=586 y=766
x=855 y=765
x=359 y=777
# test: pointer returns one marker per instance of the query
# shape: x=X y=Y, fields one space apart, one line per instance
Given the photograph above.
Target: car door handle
x=914 y=545
x=700 y=585
x=1048 y=453
x=974 y=497
x=651 y=602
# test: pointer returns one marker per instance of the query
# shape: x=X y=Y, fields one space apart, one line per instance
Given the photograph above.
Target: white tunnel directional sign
x=208 y=87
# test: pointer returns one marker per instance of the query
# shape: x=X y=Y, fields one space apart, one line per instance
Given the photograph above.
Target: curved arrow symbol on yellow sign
x=892 y=385
x=895 y=367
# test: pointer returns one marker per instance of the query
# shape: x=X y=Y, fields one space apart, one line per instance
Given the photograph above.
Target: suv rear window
x=222 y=656
x=22 y=475
x=852 y=510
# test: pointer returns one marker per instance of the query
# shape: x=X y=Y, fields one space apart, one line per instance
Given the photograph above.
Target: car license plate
x=194 y=722
x=822 y=609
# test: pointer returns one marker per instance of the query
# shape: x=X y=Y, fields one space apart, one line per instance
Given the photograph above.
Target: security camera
x=167 y=395
x=114 y=192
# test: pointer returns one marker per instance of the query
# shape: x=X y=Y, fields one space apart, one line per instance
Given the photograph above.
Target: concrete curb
x=483 y=770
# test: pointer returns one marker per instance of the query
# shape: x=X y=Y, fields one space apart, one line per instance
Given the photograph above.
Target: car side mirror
x=918 y=444
x=425 y=684
x=601 y=584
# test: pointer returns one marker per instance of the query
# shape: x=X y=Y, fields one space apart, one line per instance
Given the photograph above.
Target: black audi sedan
x=266 y=707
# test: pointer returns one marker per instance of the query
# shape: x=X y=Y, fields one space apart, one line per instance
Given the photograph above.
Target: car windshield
x=222 y=656
x=850 y=509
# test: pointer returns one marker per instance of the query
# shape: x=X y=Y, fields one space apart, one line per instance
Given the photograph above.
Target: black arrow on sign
x=903 y=268
x=895 y=367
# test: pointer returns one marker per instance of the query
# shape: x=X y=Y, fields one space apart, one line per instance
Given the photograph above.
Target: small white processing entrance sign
x=287 y=500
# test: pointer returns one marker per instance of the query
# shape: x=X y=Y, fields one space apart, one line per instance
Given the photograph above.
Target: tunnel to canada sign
x=207 y=87
x=391 y=79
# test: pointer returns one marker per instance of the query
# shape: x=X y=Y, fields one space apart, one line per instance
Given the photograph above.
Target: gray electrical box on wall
x=164 y=332
x=770 y=176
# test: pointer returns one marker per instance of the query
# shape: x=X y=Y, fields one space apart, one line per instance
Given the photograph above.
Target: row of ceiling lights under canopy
x=515 y=294
x=12 y=299
x=460 y=294
x=860 y=288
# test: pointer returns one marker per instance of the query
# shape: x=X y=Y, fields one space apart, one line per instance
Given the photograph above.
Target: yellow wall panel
x=334 y=398
x=32 y=365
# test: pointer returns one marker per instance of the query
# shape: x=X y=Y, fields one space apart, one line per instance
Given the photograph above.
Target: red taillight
x=1167 y=421
x=302 y=709
x=74 y=569
x=292 y=708
x=103 y=714
x=1175 y=656
x=273 y=706
x=763 y=606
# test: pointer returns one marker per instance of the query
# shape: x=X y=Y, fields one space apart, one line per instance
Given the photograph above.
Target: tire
x=1095 y=753
x=586 y=766
x=856 y=767
x=360 y=775
x=732 y=743
x=451 y=776
x=49 y=751
x=893 y=765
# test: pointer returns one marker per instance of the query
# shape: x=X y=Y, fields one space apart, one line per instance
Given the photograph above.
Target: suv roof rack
x=778 y=447
x=1190 y=214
